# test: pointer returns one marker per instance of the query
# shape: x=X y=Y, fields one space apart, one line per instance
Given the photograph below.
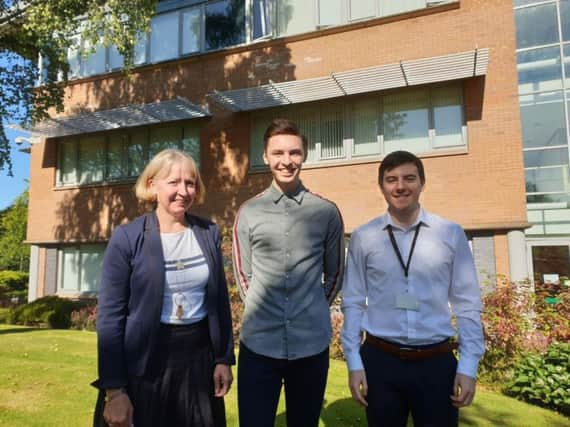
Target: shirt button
x=286 y=233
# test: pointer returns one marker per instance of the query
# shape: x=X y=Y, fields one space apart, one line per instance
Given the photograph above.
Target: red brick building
x=362 y=78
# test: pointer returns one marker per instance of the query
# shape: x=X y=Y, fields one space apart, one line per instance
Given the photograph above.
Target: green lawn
x=45 y=376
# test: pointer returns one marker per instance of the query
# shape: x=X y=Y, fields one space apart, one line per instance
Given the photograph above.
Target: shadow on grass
x=20 y=330
x=340 y=413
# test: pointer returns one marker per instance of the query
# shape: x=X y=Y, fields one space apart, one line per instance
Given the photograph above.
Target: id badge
x=407 y=301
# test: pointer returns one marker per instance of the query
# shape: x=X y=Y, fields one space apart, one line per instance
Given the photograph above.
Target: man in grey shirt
x=288 y=253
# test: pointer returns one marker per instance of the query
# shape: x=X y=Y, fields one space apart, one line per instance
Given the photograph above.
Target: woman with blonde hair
x=165 y=342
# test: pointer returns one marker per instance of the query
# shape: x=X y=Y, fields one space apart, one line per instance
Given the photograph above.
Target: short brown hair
x=398 y=158
x=284 y=127
x=160 y=166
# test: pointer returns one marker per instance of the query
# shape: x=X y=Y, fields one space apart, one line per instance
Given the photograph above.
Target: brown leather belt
x=411 y=353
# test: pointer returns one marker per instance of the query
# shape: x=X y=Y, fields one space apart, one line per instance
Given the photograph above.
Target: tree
x=14 y=253
x=33 y=28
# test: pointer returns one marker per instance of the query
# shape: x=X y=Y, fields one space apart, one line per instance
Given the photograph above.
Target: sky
x=12 y=187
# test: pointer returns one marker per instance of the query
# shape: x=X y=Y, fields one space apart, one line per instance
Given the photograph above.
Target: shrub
x=544 y=380
x=505 y=325
x=50 y=311
x=85 y=318
x=335 y=349
x=13 y=284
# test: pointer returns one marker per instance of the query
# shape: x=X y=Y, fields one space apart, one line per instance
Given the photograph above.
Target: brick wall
x=482 y=188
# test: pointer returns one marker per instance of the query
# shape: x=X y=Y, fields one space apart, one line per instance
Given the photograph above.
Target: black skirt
x=178 y=388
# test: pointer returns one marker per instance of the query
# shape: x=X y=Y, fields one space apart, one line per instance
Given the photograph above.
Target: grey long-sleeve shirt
x=288 y=255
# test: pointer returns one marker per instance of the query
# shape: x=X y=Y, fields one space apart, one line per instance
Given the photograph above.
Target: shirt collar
x=297 y=194
x=423 y=218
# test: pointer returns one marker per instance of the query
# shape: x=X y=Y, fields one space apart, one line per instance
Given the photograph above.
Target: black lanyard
x=406 y=266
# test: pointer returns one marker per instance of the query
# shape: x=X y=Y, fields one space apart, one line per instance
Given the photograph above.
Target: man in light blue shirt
x=408 y=271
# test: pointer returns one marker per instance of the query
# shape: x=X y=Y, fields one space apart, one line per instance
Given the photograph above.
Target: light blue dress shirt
x=442 y=279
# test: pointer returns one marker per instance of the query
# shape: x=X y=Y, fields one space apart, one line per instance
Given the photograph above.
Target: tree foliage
x=14 y=254
x=32 y=28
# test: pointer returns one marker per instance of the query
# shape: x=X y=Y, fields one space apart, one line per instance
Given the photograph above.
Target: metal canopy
x=117 y=118
x=404 y=73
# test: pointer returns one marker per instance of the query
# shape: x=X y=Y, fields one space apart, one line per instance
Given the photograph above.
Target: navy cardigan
x=131 y=293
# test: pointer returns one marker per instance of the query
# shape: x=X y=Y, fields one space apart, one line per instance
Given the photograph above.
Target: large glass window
x=225 y=23
x=360 y=9
x=539 y=70
x=96 y=61
x=183 y=28
x=536 y=25
x=405 y=121
x=121 y=155
x=542 y=120
x=548 y=179
x=67 y=163
x=330 y=12
x=550 y=263
x=565 y=18
x=191 y=30
x=116 y=167
x=164 y=37
x=295 y=16
x=447 y=116
x=80 y=268
x=91 y=160
x=356 y=128
x=365 y=127
x=261 y=18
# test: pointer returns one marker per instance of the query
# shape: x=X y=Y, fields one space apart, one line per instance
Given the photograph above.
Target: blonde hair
x=160 y=166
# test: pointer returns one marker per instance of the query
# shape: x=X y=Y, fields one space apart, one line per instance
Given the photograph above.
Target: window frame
x=78 y=252
x=192 y=127
x=349 y=121
x=180 y=6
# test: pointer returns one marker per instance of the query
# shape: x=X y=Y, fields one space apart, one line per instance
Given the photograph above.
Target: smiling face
x=401 y=188
x=284 y=155
x=175 y=190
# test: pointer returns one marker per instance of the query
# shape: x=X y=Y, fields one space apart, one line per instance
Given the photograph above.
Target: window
x=542 y=120
x=330 y=12
x=536 y=25
x=360 y=9
x=539 y=70
x=405 y=121
x=79 y=269
x=190 y=27
x=191 y=30
x=261 y=19
x=164 y=37
x=225 y=23
x=419 y=120
x=121 y=155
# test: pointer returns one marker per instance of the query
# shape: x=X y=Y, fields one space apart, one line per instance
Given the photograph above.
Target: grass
x=45 y=376
x=4 y=314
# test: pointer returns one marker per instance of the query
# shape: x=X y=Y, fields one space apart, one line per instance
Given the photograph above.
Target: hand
x=463 y=390
x=358 y=386
x=222 y=379
x=118 y=411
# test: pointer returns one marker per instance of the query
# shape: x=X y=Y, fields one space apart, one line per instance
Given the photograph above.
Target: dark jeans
x=259 y=385
x=397 y=387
